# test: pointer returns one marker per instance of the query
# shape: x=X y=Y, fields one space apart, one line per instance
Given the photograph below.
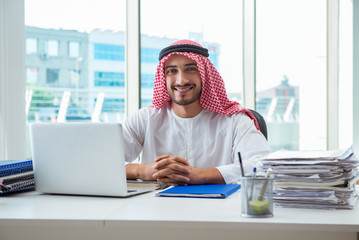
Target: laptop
x=80 y=159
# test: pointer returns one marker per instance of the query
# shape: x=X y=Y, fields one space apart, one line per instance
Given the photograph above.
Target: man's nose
x=181 y=78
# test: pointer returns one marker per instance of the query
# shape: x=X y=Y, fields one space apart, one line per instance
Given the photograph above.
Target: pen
x=253 y=177
x=242 y=170
x=260 y=198
x=240 y=162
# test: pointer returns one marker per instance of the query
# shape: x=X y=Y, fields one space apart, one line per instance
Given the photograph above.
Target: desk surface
x=146 y=215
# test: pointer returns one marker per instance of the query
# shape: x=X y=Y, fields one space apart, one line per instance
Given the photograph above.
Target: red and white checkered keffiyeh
x=213 y=97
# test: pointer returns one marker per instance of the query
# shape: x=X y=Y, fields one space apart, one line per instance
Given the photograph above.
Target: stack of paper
x=314 y=179
x=138 y=183
x=16 y=176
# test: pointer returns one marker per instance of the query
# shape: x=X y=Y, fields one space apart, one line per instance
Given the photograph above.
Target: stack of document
x=314 y=179
x=138 y=183
x=16 y=176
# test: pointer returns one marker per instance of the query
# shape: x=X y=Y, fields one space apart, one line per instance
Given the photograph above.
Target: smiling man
x=192 y=133
x=184 y=85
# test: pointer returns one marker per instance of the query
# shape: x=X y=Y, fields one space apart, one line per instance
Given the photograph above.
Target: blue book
x=16 y=176
x=10 y=167
x=200 y=191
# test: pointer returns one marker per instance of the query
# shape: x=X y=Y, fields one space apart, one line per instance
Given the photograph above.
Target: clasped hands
x=172 y=169
x=177 y=170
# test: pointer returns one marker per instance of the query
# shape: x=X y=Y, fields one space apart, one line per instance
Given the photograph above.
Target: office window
x=75 y=78
x=147 y=80
x=31 y=75
x=109 y=79
x=214 y=57
x=69 y=81
x=149 y=55
x=72 y=36
x=74 y=49
x=31 y=45
x=52 y=76
x=109 y=52
x=291 y=72
x=112 y=109
x=52 y=47
x=111 y=105
x=204 y=21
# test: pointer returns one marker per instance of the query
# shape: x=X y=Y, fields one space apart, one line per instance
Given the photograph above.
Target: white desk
x=37 y=216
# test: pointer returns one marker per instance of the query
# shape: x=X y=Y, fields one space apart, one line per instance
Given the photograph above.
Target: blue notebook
x=10 y=164
x=11 y=167
x=16 y=176
x=200 y=191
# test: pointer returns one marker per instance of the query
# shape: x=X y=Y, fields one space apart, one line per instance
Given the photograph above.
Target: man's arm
x=140 y=171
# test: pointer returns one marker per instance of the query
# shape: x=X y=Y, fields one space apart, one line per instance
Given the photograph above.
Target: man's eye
x=191 y=69
x=171 y=71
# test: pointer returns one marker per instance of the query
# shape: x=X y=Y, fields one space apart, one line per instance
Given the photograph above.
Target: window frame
x=16 y=35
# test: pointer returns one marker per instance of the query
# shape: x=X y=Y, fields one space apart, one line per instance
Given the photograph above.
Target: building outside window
x=74 y=49
x=52 y=48
x=147 y=80
x=149 y=55
x=109 y=52
x=290 y=80
x=31 y=45
x=32 y=75
x=111 y=104
x=68 y=55
x=52 y=76
x=291 y=72
x=75 y=77
x=109 y=79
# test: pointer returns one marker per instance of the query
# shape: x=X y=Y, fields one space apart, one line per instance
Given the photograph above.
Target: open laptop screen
x=79 y=158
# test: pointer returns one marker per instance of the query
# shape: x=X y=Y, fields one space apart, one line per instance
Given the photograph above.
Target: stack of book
x=314 y=179
x=16 y=176
x=138 y=183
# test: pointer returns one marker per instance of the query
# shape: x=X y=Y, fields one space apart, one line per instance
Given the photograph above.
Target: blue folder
x=200 y=191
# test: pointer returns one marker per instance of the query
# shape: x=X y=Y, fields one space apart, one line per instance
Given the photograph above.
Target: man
x=192 y=134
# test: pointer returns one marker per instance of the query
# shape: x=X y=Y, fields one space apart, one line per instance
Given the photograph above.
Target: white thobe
x=208 y=140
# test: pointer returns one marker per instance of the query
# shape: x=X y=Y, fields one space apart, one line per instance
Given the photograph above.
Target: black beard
x=185 y=102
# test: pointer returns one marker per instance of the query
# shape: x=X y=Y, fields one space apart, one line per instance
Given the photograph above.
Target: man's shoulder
x=236 y=115
x=149 y=112
x=236 y=119
x=240 y=114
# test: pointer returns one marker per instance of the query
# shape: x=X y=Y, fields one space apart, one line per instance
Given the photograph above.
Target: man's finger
x=174 y=178
x=162 y=157
x=175 y=167
x=160 y=162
